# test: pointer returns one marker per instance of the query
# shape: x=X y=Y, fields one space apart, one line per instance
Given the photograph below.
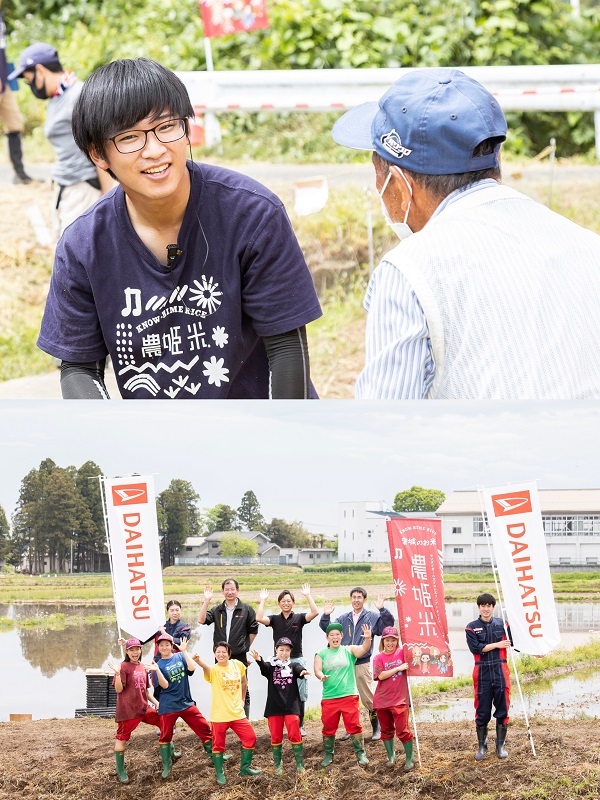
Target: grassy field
x=187 y=584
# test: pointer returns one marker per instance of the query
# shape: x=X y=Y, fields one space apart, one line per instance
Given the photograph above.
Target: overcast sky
x=302 y=459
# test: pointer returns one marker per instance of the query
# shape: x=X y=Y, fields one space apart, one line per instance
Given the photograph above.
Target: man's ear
x=100 y=162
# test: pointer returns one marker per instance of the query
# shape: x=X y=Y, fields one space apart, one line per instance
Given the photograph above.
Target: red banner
x=416 y=553
x=221 y=17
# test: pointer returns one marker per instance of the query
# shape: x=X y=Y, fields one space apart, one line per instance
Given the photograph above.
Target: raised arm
x=314 y=611
x=116 y=668
x=359 y=650
x=260 y=611
x=385 y=619
x=208 y=596
x=328 y=610
x=202 y=664
x=189 y=662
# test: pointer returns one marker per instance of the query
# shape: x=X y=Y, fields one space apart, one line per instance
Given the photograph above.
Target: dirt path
x=73 y=760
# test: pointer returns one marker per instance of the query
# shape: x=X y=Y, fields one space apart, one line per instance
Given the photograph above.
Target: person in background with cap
x=391 y=700
x=10 y=115
x=76 y=179
x=352 y=622
x=135 y=702
x=283 y=700
x=176 y=700
x=489 y=295
x=334 y=667
x=290 y=625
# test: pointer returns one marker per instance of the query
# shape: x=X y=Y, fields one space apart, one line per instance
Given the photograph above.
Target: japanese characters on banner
x=416 y=554
x=517 y=535
x=135 y=554
x=221 y=17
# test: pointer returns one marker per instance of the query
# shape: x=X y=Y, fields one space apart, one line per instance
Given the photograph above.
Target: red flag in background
x=416 y=553
x=221 y=17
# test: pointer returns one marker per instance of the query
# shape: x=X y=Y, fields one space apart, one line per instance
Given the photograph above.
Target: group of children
x=158 y=694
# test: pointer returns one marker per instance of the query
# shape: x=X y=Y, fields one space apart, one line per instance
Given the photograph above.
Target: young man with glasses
x=188 y=275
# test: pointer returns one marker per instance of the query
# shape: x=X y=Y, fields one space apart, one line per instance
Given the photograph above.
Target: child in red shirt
x=391 y=700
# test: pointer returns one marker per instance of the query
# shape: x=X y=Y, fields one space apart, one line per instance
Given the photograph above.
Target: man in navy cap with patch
x=489 y=295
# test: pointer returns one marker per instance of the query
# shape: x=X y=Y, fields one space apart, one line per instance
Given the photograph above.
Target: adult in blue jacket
x=352 y=623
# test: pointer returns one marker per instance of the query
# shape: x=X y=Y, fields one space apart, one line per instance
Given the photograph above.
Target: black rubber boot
x=16 y=156
x=482 y=732
x=500 y=739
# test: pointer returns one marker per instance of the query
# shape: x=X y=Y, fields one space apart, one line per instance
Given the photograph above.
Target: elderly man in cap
x=76 y=179
x=490 y=295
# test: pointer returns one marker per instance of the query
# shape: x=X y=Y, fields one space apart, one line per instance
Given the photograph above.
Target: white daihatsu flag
x=517 y=534
x=135 y=554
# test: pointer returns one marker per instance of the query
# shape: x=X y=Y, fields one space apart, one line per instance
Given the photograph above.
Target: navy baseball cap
x=38 y=53
x=429 y=121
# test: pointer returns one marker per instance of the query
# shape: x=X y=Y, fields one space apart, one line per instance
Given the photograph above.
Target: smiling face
x=390 y=643
x=134 y=653
x=358 y=601
x=286 y=604
x=334 y=638
x=486 y=611
x=157 y=172
x=230 y=592
x=221 y=655
x=283 y=652
x=165 y=648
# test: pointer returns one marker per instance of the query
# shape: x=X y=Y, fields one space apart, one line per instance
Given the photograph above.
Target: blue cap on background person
x=38 y=53
x=429 y=121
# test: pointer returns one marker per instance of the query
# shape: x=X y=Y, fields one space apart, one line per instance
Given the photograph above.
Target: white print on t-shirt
x=178 y=340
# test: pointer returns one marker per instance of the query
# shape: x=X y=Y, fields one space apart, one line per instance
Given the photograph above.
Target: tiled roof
x=552 y=501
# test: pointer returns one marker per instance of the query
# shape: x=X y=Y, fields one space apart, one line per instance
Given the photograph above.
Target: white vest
x=511 y=293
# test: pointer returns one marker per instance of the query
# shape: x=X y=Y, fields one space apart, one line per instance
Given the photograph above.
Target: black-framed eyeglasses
x=169 y=130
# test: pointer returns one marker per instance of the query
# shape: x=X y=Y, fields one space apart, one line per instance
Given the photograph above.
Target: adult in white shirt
x=489 y=295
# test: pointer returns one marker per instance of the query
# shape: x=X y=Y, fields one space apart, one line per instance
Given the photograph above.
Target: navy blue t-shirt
x=178 y=696
x=192 y=330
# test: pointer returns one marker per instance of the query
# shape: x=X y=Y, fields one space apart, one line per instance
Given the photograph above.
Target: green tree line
x=331 y=34
x=58 y=522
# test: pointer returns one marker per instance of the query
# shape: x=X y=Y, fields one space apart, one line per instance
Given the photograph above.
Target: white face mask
x=401 y=229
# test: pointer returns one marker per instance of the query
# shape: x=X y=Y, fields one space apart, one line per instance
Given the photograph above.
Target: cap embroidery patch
x=393 y=144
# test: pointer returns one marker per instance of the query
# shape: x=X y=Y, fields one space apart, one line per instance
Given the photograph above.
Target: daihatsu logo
x=130 y=494
x=513 y=503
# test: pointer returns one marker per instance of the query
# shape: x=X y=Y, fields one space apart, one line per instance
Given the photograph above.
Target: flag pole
x=488 y=534
x=412 y=711
x=101 y=479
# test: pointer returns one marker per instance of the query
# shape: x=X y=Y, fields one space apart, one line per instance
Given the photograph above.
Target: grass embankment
x=187 y=584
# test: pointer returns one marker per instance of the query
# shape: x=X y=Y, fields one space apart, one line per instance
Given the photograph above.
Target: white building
x=362 y=533
x=571 y=520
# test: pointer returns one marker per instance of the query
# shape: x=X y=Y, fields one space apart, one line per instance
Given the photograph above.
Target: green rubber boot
x=389 y=749
x=207 y=745
x=298 y=751
x=175 y=754
x=358 y=743
x=408 y=749
x=329 y=748
x=276 y=749
x=167 y=761
x=120 y=759
x=245 y=761
x=220 y=773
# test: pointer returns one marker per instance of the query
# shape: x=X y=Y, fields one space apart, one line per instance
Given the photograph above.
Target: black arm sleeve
x=83 y=381
x=289 y=365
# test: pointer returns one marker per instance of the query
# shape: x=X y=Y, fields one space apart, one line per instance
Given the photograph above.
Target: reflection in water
x=51 y=664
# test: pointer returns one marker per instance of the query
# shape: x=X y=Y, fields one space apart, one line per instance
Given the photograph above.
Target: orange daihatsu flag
x=517 y=534
x=416 y=553
x=132 y=533
x=221 y=17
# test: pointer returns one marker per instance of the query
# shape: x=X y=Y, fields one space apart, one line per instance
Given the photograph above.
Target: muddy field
x=60 y=759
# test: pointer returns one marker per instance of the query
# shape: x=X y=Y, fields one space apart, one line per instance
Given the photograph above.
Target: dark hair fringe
x=118 y=95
